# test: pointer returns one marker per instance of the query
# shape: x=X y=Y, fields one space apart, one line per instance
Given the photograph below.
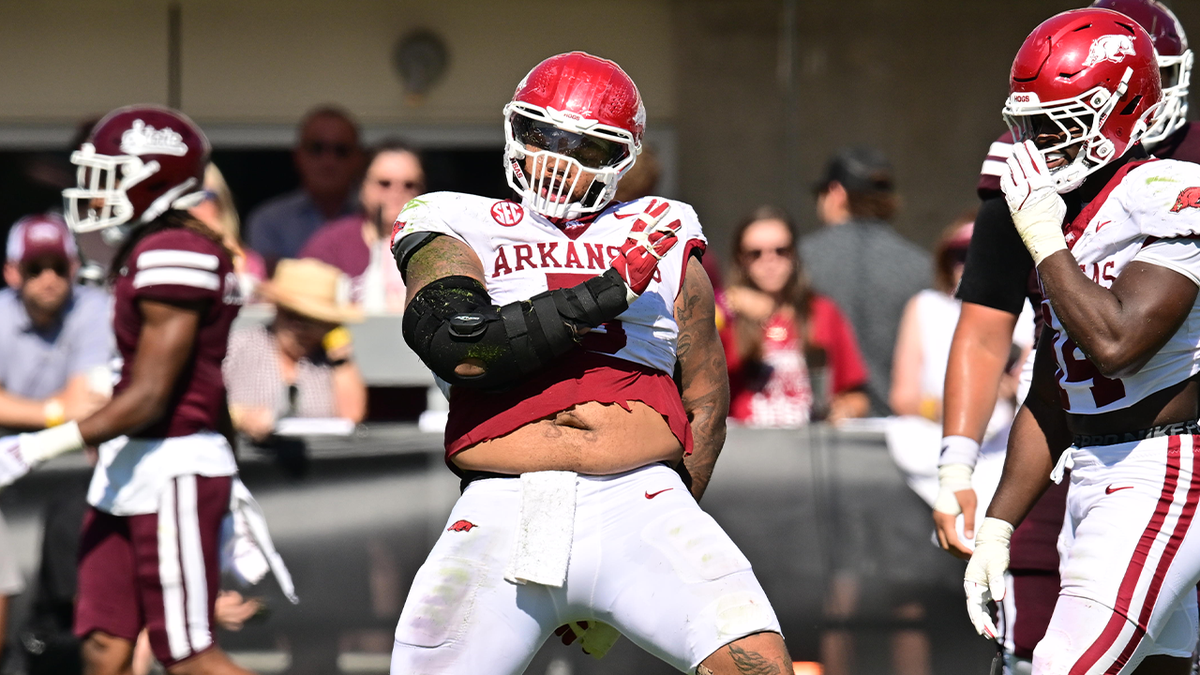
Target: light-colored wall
x=66 y=59
x=921 y=79
x=267 y=61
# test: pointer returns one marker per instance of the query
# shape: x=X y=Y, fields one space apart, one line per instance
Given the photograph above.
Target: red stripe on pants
x=1164 y=563
x=1134 y=571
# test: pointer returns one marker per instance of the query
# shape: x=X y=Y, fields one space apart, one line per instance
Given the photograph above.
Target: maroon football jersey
x=1183 y=145
x=994 y=166
x=179 y=265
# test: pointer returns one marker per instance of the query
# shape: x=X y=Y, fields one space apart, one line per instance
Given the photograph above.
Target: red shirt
x=179 y=265
x=780 y=393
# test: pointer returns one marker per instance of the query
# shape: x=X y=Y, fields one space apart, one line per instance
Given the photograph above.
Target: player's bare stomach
x=589 y=438
x=1177 y=403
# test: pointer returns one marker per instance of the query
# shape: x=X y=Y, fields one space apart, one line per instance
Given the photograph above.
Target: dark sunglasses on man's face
x=339 y=150
x=410 y=185
x=753 y=254
x=33 y=270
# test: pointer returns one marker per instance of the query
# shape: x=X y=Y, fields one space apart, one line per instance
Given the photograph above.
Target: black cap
x=857 y=170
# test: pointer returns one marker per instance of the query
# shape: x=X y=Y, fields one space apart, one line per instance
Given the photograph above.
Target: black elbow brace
x=453 y=320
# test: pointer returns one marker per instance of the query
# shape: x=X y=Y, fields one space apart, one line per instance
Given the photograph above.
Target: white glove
x=1037 y=209
x=952 y=478
x=12 y=464
x=984 y=580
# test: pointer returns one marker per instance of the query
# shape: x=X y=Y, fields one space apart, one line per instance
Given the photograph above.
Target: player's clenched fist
x=649 y=240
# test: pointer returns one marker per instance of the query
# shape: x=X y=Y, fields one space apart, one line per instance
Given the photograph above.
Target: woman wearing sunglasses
x=792 y=356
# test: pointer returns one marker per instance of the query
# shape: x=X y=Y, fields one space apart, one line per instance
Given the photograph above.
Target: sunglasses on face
x=318 y=148
x=753 y=254
x=33 y=270
x=408 y=185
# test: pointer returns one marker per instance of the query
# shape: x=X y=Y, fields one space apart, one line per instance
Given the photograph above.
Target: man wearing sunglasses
x=53 y=334
x=329 y=160
x=358 y=244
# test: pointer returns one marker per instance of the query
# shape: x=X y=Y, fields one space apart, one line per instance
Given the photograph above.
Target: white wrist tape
x=952 y=478
x=959 y=450
x=50 y=443
x=1042 y=237
x=994 y=531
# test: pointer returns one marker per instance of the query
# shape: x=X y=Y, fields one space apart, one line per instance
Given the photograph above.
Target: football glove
x=984 y=580
x=1037 y=209
x=20 y=454
x=595 y=637
x=647 y=243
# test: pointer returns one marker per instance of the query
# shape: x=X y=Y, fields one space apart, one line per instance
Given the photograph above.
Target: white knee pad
x=1076 y=623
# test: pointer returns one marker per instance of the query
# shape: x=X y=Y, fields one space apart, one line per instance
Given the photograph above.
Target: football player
x=998 y=278
x=149 y=546
x=557 y=322
x=1114 y=372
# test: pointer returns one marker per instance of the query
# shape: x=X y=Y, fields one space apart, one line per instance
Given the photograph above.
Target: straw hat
x=313 y=289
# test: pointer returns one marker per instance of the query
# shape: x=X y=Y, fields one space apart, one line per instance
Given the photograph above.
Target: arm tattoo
x=705 y=380
x=752 y=663
x=444 y=256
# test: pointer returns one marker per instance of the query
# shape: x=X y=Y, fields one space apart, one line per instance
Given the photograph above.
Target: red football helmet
x=138 y=162
x=1090 y=77
x=574 y=115
x=1174 y=61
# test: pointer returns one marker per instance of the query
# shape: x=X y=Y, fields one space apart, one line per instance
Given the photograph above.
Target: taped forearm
x=452 y=321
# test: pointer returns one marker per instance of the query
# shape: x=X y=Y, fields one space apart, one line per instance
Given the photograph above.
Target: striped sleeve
x=181 y=269
x=994 y=166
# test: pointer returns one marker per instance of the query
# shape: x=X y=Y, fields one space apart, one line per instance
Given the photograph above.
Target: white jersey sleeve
x=1180 y=255
x=1164 y=198
x=427 y=213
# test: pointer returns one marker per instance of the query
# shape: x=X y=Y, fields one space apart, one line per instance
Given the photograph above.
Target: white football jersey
x=1152 y=214
x=524 y=254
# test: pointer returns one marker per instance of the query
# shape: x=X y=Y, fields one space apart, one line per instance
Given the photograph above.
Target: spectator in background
x=54 y=345
x=919 y=373
x=359 y=245
x=329 y=160
x=219 y=213
x=859 y=261
x=55 y=340
x=300 y=365
x=790 y=352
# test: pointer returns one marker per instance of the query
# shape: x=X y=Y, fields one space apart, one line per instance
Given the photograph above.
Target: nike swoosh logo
x=619 y=216
x=1110 y=489
x=650 y=495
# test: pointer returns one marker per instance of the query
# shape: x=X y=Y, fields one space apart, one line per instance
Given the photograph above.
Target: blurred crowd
x=850 y=321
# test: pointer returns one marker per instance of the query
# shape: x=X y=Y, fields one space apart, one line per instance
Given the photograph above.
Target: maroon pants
x=158 y=571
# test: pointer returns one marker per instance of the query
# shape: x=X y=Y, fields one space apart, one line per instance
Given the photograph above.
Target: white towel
x=247 y=548
x=547 y=528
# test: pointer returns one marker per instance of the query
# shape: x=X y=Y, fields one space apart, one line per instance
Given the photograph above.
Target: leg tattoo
x=752 y=663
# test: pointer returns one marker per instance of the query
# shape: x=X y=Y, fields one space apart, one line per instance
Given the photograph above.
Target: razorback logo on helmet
x=1189 y=198
x=507 y=213
x=1112 y=48
x=141 y=139
x=461 y=526
x=396 y=227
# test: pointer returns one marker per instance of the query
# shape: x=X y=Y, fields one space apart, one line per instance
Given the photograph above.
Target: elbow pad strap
x=452 y=320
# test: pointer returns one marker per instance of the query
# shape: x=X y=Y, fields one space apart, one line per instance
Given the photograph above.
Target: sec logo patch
x=507 y=213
